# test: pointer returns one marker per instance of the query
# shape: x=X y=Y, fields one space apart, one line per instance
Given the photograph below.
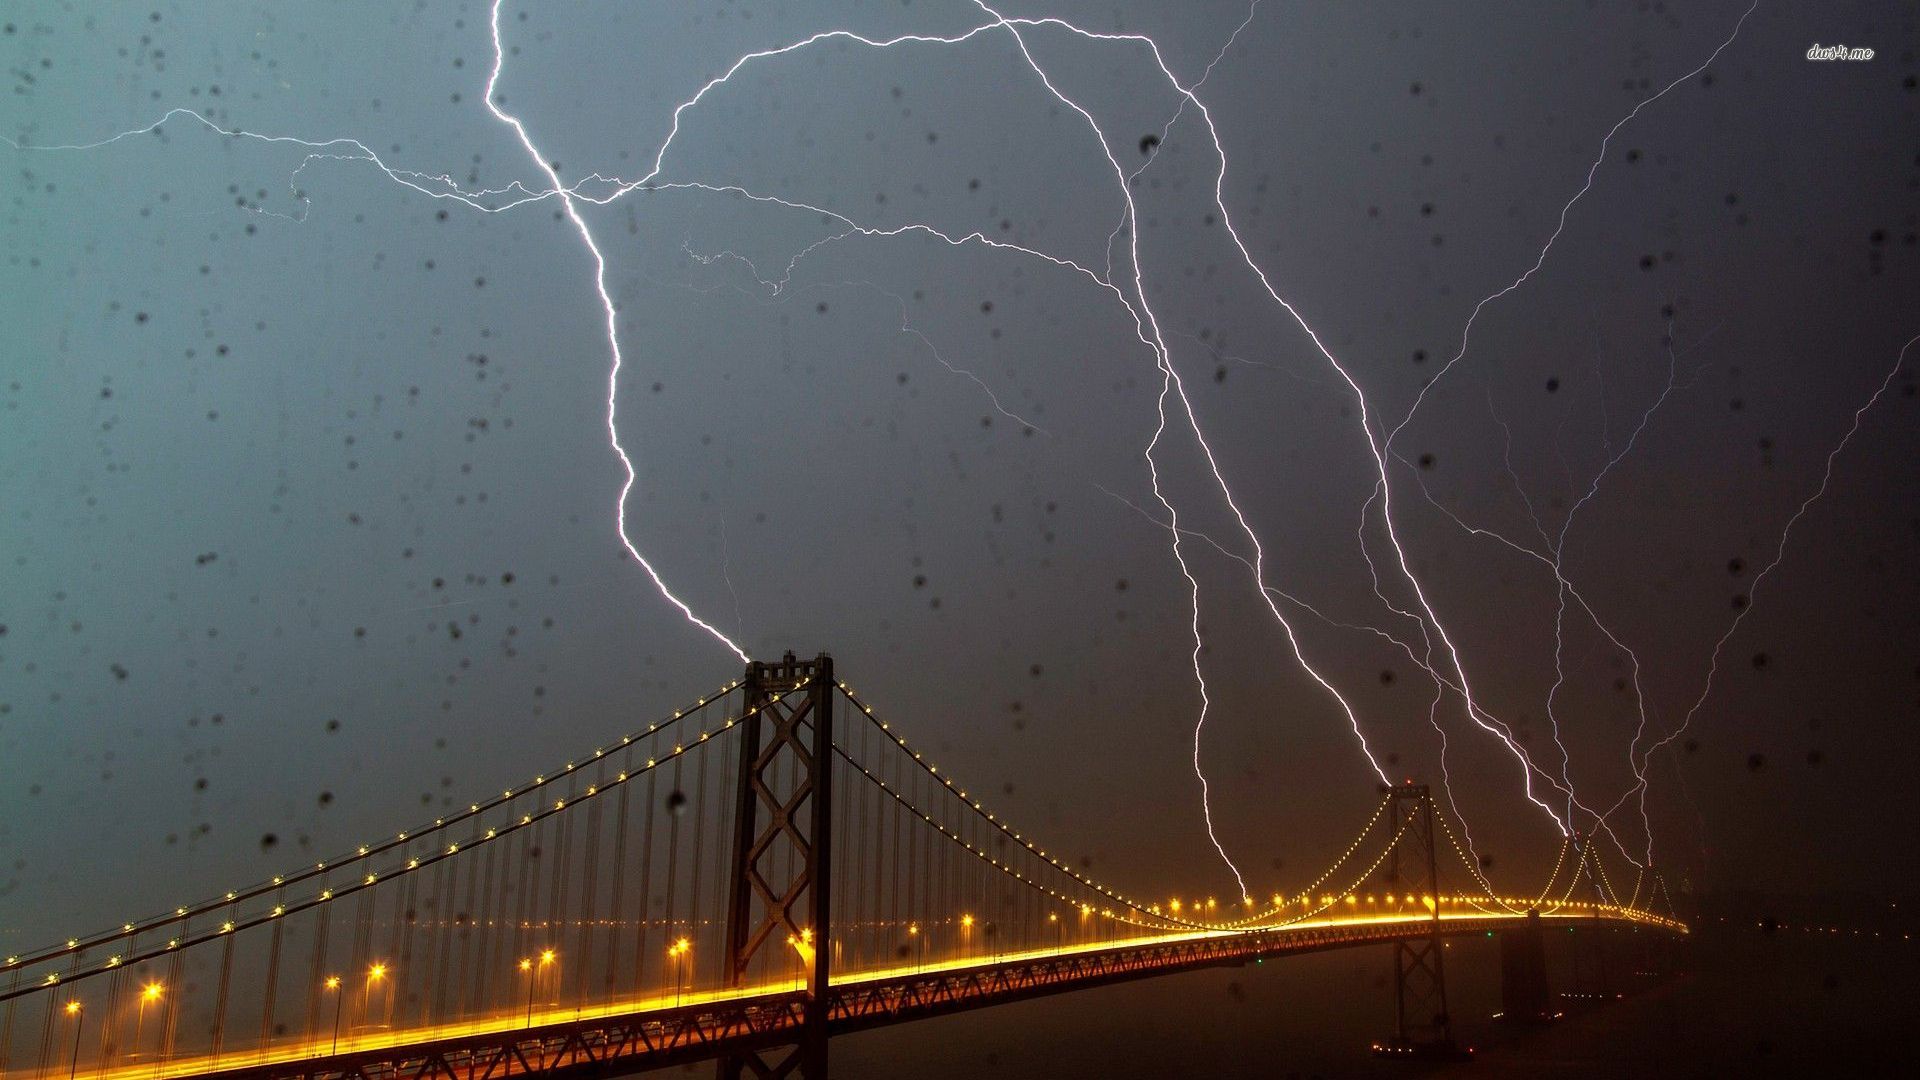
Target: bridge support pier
x=1423 y=1027
x=1524 y=994
x=1596 y=971
x=1656 y=958
x=788 y=706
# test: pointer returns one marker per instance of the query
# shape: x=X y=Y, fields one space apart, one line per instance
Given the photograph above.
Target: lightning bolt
x=1565 y=588
x=1593 y=170
x=613 y=339
x=779 y=285
x=1779 y=555
x=1379 y=446
x=1382 y=447
x=1172 y=384
x=1381 y=450
x=1561 y=585
x=1172 y=399
x=1639 y=759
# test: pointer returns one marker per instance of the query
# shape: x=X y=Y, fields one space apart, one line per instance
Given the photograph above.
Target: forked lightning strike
x=1449 y=672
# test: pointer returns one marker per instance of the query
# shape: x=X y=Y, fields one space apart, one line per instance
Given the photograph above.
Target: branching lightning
x=1173 y=406
x=1779 y=554
x=613 y=340
x=1560 y=577
x=779 y=285
x=1377 y=445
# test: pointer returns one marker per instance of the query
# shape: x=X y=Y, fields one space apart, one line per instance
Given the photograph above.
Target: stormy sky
x=307 y=499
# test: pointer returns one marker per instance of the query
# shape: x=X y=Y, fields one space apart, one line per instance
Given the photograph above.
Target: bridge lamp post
x=920 y=944
x=374 y=974
x=79 y=1021
x=966 y=933
x=148 y=993
x=547 y=956
x=678 y=951
x=526 y=968
x=803 y=953
x=333 y=986
x=1058 y=932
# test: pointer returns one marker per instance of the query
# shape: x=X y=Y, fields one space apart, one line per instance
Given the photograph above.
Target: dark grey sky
x=307 y=505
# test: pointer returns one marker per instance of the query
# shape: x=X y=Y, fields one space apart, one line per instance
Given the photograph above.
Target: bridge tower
x=1423 y=1026
x=1525 y=995
x=783 y=806
x=1595 y=976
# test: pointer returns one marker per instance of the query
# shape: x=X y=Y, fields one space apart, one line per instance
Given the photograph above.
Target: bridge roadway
x=662 y=1030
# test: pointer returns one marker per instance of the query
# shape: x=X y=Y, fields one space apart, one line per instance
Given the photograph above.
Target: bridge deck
x=663 y=1029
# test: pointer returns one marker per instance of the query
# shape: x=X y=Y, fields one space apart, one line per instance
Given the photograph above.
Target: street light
x=547 y=956
x=526 y=968
x=73 y=1010
x=149 y=992
x=678 y=951
x=333 y=984
x=803 y=953
x=375 y=973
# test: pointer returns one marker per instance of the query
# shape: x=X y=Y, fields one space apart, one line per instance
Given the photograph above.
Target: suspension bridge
x=766 y=868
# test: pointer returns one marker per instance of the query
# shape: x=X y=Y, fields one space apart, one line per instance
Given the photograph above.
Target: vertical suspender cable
x=617 y=901
x=476 y=977
x=679 y=796
x=272 y=986
x=589 y=888
x=698 y=806
x=220 y=1002
x=440 y=927
x=405 y=913
x=646 y=881
x=317 y=971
